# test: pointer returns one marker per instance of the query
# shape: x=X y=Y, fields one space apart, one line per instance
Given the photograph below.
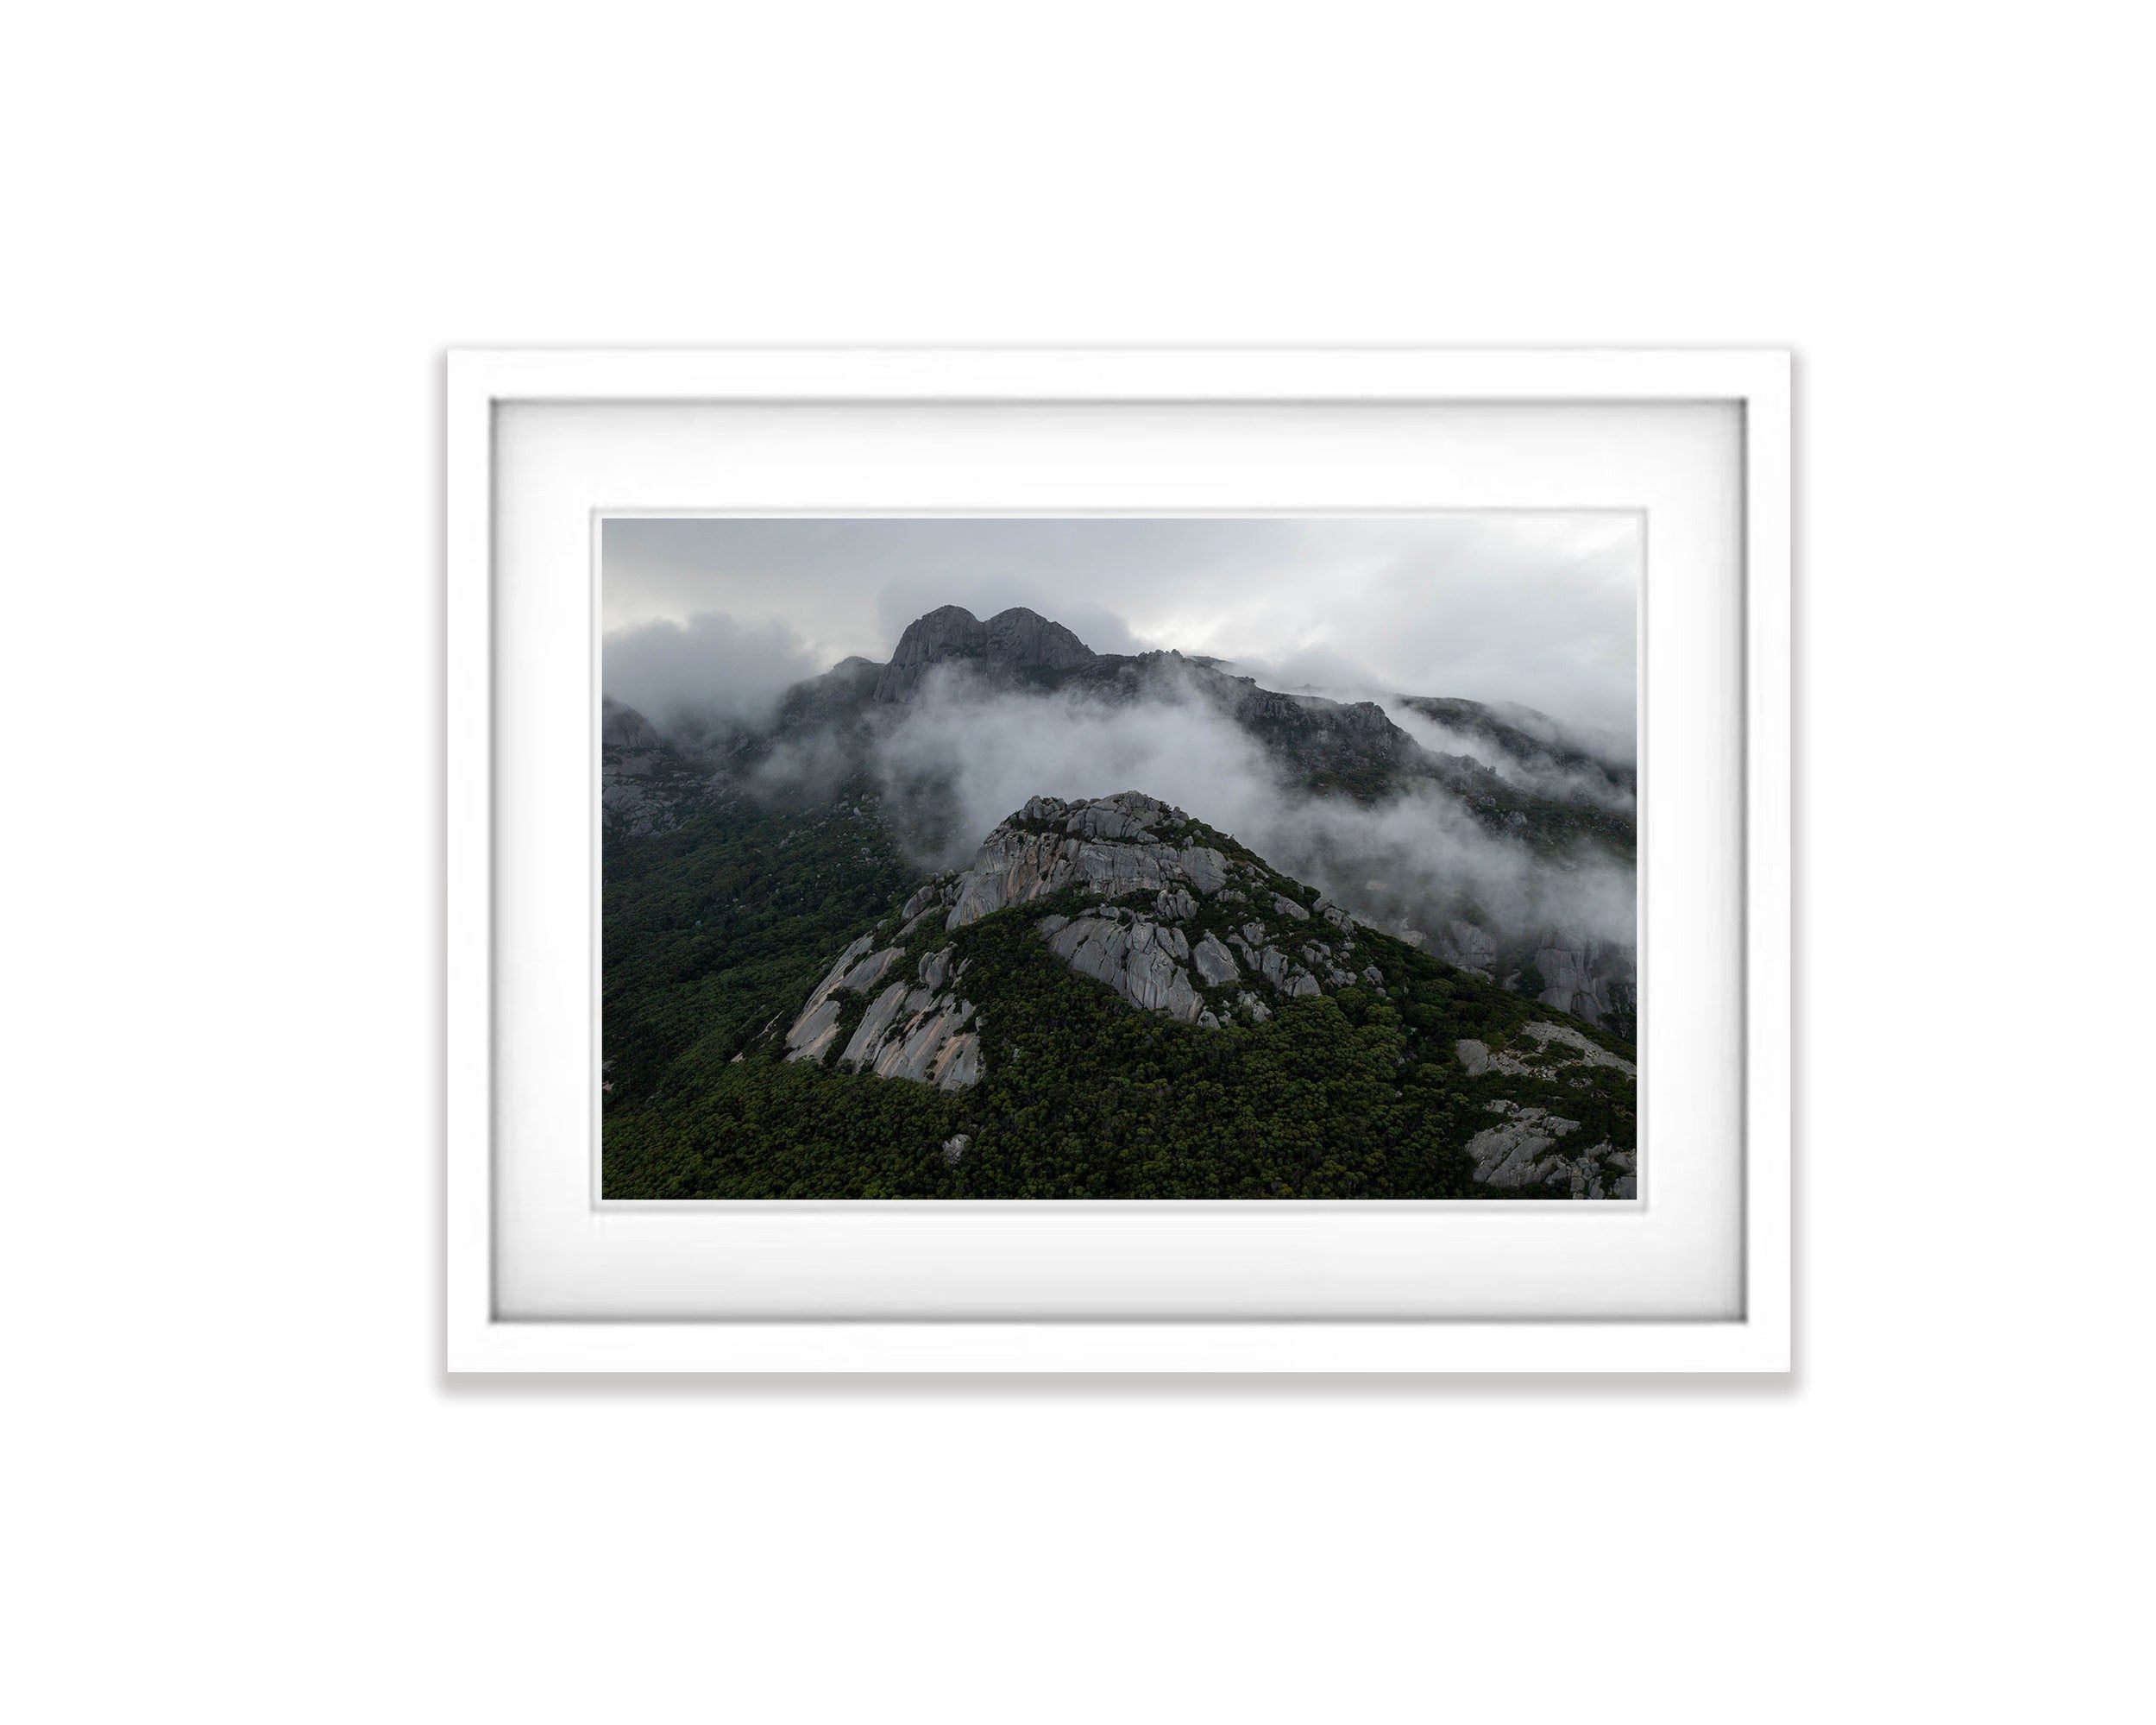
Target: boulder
x=1205 y=868
x=1215 y=964
x=1176 y=904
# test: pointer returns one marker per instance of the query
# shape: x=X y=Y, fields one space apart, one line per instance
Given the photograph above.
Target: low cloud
x=687 y=677
x=1538 y=774
x=1493 y=605
x=960 y=757
x=1330 y=675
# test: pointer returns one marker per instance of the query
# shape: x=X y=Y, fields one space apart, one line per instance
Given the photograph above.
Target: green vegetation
x=1350 y=1095
x=713 y=930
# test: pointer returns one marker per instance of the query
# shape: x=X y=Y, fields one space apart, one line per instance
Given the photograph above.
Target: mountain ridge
x=1114 y=999
x=949 y=661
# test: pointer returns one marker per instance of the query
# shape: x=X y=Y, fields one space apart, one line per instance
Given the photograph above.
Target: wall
x=242 y=236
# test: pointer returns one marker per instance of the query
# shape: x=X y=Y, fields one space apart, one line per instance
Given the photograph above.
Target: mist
x=1538 y=777
x=709 y=671
x=1493 y=605
x=1332 y=676
x=959 y=758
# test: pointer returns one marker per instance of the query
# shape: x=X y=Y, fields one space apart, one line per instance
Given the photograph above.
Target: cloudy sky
x=1539 y=608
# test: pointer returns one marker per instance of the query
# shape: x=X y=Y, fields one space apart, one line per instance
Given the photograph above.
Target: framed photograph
x=1119 y=861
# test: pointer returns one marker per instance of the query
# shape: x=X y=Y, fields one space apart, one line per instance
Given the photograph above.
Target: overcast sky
x=1539 y=608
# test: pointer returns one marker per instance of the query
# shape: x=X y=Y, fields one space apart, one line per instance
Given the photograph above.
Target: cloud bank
x=959 y=758
x=1535 y=608
x=707 y=671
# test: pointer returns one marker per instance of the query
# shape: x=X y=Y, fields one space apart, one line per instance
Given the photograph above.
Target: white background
x=240 y=1488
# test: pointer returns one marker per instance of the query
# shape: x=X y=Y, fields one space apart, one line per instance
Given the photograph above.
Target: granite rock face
x=1108 y=845
x=1143 y=961
x=1215 y=964
x=916 y=1028
x=1561 y=1054
x=1178 y=956
x=1587 y=978
x=1524 y=1149
x=1156 y=880
x=1466 y=945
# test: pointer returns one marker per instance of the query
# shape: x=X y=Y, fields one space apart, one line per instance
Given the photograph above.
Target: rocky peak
x=1028 y=641
x=1014 y=641
x=1168 y=919
x=949 y=632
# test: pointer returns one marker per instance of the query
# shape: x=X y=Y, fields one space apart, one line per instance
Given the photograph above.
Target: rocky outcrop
x=644 y=781
x=1161 y=958
x=916 y=1028
x=1143 y=961
x=1325 y=732
x=1215 y=964
x=1587 y=978
x=1175 y=952
x=1524 y=1150
x=1560 y=1053
x=1466 y=945
x=1109 y=847
x=913 y=1033
x=1271 y=965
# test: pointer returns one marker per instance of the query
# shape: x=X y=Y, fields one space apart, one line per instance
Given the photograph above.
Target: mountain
x=1325 y=744
x=1017 y=644
x=1382 y=814
x=1114 y=999
x=1535 y=750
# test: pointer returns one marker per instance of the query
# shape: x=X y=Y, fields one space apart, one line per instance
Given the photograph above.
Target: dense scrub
x=716 y=927
x=1349 y=1095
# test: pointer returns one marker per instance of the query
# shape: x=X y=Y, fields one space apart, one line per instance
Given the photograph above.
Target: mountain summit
x=1175 y=918
x=1017 y=644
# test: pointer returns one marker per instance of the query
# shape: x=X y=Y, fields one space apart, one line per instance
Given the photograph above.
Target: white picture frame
x=1750 y=1332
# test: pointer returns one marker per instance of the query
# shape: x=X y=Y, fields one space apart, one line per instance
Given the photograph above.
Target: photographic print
x=1189 y=858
